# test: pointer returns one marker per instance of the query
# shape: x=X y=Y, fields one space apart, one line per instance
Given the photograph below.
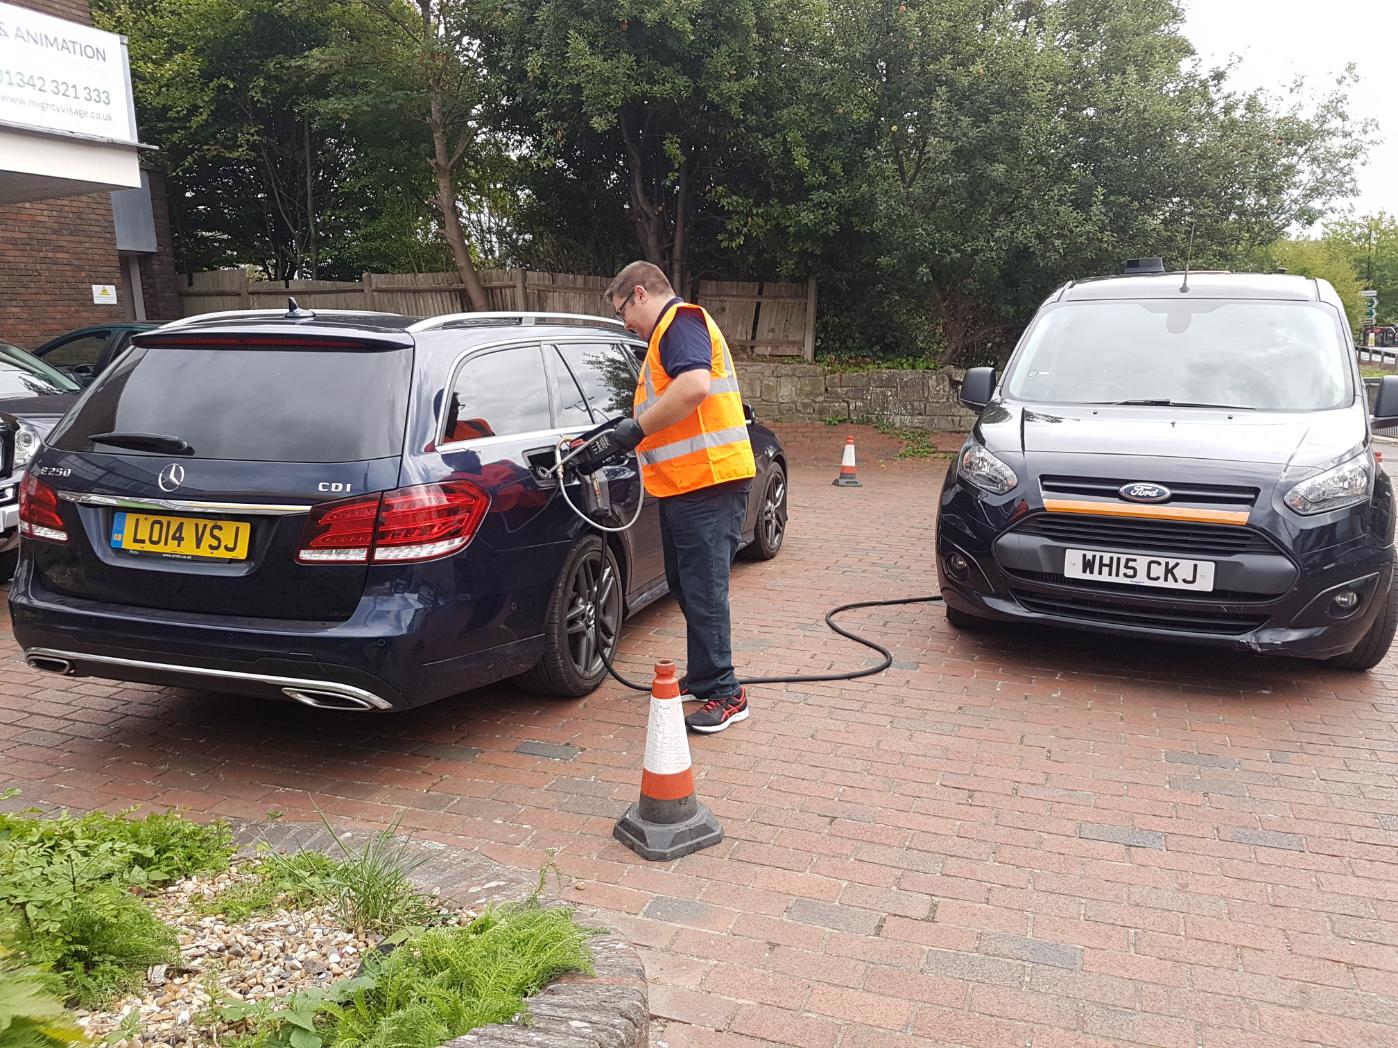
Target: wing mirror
x=978 y=387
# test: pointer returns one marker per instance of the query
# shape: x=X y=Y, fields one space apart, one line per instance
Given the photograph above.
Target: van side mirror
x=978 y=386
x=1386 y=402
x=749 y=416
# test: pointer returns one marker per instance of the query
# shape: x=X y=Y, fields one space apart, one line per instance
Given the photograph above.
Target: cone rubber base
x=660 y=841
x=846 y=482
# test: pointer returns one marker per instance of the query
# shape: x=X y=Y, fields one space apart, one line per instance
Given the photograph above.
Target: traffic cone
x=668 y=821
x=847 y=479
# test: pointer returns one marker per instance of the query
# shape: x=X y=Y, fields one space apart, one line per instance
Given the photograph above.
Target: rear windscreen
x=269 y=405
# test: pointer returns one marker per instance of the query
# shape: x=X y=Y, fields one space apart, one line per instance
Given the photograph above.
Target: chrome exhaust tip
x=49 y=664
x=328 y=700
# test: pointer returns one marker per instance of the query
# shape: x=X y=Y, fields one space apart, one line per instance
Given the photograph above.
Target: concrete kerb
x=610 y=1009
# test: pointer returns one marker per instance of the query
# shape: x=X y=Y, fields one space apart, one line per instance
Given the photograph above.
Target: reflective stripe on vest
x=710 y=445
x=703 y=440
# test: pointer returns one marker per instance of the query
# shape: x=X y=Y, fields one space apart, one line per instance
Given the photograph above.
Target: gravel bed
x=266 y=956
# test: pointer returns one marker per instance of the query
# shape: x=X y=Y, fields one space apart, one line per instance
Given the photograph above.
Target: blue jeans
x=700 y=532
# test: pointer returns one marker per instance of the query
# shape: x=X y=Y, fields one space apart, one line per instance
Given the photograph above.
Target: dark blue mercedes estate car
x=354 y=511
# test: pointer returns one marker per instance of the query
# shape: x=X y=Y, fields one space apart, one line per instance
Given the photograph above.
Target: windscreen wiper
x=144 y=442
x=1180 y=404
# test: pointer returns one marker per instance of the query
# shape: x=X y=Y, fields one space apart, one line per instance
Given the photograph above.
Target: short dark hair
x=647 y=274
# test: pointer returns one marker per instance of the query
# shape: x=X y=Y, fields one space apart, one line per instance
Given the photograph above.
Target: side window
x=499 y=394
x=77 y=352
x=604 y=375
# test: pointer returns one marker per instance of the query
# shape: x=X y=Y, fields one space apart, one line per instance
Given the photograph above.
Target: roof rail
x=229 y=314
x=524 y=319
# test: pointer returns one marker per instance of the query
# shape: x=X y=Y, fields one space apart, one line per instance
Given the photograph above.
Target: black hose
x=817 y=677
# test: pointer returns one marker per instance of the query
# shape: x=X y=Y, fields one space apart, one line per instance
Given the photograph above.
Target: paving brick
x=1263 y=838
x=1121 y=835
x=553 y=750
x=1035 y=951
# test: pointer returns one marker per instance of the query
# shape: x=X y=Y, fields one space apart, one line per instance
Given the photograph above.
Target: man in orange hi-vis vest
x=692 y=442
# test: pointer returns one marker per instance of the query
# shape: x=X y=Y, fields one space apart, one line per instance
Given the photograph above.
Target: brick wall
x=160 y=283
x=53 y=251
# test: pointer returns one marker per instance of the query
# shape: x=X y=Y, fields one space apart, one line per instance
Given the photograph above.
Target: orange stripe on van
x=1113 y=509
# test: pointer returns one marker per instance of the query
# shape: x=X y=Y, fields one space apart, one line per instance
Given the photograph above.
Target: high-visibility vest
x=710 y=445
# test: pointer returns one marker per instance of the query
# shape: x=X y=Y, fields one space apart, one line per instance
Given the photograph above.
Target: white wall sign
x=104 y=294
x=61 y=76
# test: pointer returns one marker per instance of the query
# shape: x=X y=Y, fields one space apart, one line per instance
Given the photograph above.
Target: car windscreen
x=25 y=375
x=1264 y=355
x=253 y=404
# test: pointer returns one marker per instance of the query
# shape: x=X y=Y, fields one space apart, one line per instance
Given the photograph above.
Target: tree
x=1326 y=259
x=220 y=89
x=640 y=104
x=1371 y=244
x=419 y=60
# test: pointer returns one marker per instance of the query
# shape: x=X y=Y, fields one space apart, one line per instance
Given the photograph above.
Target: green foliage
x=31 y=1016
x=937 y=165
x=436 y=985
x=1325 y=259
x=1371 y=243
x=368 y=888
x=103 y=944
x=66 y=883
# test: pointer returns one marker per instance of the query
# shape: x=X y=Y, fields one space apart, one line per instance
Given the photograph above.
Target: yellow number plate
x=181 y=536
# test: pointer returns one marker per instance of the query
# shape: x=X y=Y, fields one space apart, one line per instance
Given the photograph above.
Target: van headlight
x=1348 y=484
x=983 y=470
x=28 y=441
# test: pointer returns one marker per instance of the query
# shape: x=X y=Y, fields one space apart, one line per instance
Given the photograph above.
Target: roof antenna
x=295 y=312
x=1188 y=260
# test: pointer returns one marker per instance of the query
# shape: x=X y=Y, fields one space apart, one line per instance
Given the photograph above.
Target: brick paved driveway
x=1044 y=840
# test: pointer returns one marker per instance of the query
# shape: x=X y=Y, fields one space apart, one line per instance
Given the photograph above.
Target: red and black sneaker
x=718 y=713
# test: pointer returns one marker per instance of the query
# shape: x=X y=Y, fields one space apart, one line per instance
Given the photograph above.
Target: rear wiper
x=144 y=442
x=1180 y=404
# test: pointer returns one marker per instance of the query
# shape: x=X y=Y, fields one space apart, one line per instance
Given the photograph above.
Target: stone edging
x=607 y=1010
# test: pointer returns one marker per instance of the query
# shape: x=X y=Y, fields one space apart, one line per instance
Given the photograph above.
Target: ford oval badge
x=1140 y=492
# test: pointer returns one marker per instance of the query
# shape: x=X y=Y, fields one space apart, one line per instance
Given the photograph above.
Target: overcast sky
x=1278 y=39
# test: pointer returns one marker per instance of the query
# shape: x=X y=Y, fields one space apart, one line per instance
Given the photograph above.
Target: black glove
x=607 y=443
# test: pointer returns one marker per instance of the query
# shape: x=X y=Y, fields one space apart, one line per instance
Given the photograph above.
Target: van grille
x=1193 y=540
x=1195 y=494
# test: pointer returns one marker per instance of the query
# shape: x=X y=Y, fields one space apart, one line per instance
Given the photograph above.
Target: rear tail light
x=419 y=523
x=38 y=512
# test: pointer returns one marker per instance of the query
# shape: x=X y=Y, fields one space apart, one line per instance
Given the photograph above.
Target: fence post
x=246 y=298
x=808 y=351
x=521 y=291
x=367 y=279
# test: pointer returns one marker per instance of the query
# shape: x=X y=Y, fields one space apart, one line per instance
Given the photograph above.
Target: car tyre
x=1370 y=651
x=588 y=593
x=9 y=561
x=770 y=529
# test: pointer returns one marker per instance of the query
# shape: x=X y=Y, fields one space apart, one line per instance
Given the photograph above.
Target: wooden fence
x=759 y=318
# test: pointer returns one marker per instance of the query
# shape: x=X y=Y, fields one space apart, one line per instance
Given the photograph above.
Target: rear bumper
x=378 y=660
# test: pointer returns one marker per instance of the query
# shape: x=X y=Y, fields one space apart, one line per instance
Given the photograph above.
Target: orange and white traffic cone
x=847 y=479
x=668 y=821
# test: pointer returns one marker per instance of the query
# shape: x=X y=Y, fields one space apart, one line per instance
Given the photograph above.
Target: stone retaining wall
x=808 y=393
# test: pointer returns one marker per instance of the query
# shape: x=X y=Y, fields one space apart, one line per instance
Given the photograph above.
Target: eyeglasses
x=621 y=309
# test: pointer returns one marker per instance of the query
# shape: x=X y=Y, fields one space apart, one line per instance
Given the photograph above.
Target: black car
x=33 y=396
x=86 y=352
x=355 y=511
x=1178 y=457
